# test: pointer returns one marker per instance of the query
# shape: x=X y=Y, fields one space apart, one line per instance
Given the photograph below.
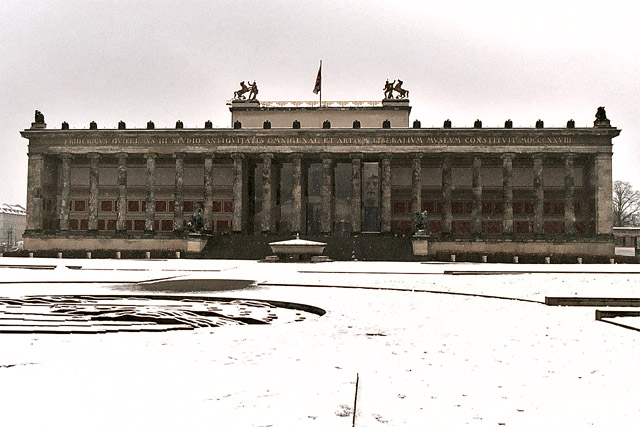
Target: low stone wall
x=56 y=243
x=524 y=248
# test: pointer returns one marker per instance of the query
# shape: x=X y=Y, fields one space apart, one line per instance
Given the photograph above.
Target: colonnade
x=598 y=182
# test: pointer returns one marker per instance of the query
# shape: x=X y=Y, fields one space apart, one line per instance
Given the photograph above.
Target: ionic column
x=178 y=195
x=603 y=194
x=208 y=193
x=150 y=193
x=447 y=217
x=356 y=193
x=266 y=192
x=238 y=193
x=94 y=164
x=538 y=189
x=296 y=193
x=476 y=209
x=385 y=202
x=66 y=190
x=569 y=190
x=326 y=212
x=34 y=192
x=507 y=193
x=416 y=183
x=121 y=221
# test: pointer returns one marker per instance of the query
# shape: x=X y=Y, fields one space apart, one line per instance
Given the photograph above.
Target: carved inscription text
x=315 y=140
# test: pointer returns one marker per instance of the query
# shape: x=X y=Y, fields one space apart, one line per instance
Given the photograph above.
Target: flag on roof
x=318 y=87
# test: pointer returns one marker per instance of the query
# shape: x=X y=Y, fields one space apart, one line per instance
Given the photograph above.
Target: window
x=492 y=227
x=435 y=226
x=461 y=227
x=217 y=206
x=161 y=205
x=133 y=206
x=106 y=206
x=228 y=206
x=79 y=205
x=558 y=208
x=554 y=227
x=399 y=207
x=523 y=227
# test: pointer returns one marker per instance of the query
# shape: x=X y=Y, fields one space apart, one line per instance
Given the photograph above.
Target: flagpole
x=321 y=84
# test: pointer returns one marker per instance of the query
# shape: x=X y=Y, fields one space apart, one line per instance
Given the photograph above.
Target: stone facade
x=530 y=190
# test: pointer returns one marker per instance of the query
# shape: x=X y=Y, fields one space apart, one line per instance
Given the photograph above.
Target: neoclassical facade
x=342 y=169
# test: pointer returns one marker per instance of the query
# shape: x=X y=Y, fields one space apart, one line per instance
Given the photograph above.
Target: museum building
x=349 y=168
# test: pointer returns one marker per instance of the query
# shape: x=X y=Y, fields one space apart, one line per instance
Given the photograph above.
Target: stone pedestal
x=420 y=245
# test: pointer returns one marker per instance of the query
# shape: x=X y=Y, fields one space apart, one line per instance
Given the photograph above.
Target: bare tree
x=626 y=204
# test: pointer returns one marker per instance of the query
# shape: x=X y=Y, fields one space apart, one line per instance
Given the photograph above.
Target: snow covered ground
x=434 y=344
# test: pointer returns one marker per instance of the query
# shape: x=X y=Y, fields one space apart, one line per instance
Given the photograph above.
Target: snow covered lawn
x=432 y=344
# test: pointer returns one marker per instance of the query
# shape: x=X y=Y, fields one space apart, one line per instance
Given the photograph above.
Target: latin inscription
x=301 y=140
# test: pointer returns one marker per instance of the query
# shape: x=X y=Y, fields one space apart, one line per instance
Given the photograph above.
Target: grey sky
x=135 y=61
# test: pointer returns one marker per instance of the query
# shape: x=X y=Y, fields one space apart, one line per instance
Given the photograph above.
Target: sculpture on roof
x=601 y=118
x=39 y=117
x=395 y=85
x=253 y=90
x=239 y=94
x=388 y=90
x=402 y=93
x=601 y=114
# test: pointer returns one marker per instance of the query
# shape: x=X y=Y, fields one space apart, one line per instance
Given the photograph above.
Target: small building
x=340 y=169
x=13 y=220
x=627 y=240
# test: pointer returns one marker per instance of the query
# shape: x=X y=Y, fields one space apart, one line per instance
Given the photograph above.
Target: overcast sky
x=135 y=61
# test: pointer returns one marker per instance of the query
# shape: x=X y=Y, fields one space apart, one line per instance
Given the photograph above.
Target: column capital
x=122 y=155
x=385 y=156
x=326 y=156
x=35 y=156
x=65 y=156
x=237 y=156
x=354 y=156
x=178 y=155
x=508 y=156
x=209 y=155
x=266 y=156
x=296 y=156
x=150 y=155
x=538 y=156
x=93 y=156
x=417 y=155
x=603 y=156
x=569 y=157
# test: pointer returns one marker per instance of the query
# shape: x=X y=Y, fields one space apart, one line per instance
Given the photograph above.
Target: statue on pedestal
x=420 y=224
x=195 y=225
x=601 y=114
x=39 y=117
x=601 y=118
